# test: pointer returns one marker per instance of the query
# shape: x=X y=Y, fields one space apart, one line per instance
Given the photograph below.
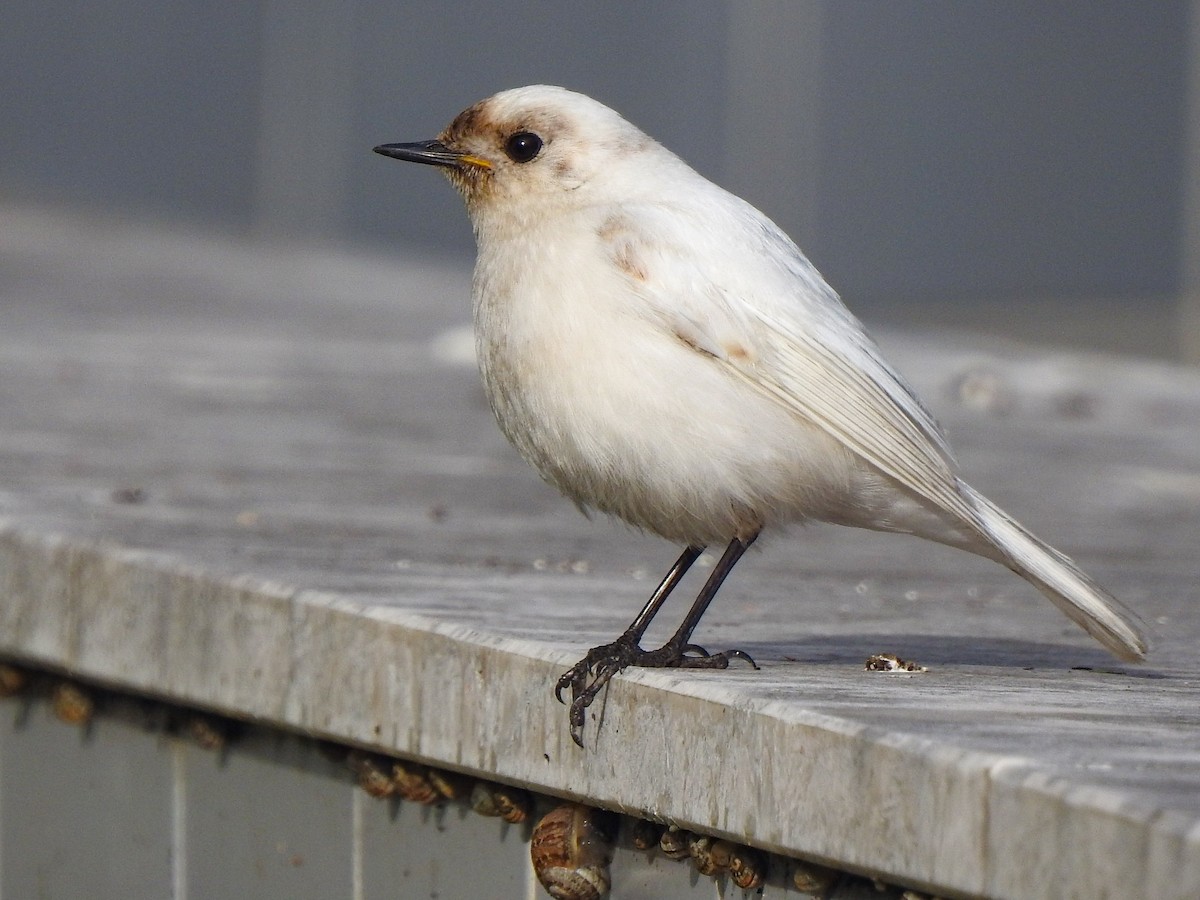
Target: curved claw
x=563 y=682
x=740 y=654
x=705 y=660
x=573 y=678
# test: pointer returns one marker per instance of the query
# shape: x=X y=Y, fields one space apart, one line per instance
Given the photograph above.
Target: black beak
x=432 y=153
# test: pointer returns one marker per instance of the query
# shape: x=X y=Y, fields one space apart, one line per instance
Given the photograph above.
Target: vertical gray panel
x=83 y=813
x=304 y=142
x=270 y=820
x=414 y=851
x=131 y=106
x=991 y=150
x=1189 y=262
x=773 y=110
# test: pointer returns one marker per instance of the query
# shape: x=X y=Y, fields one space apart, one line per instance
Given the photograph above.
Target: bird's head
x=532 y=150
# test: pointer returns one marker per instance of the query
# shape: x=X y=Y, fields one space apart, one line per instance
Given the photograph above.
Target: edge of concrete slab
x=694 y=751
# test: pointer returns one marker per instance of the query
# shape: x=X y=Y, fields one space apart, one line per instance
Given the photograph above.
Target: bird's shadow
x=932 y=650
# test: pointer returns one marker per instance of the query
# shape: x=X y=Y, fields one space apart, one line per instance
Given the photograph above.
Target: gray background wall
x=1017 y=165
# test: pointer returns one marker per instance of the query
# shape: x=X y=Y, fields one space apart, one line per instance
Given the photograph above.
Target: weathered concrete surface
x=264 y=482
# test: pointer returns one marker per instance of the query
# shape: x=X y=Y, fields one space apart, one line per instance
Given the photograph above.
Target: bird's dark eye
x=523 y=146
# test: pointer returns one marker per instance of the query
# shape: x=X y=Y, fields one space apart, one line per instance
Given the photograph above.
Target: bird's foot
x=589 y=676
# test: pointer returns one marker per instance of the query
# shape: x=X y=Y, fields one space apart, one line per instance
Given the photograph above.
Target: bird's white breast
x=624 y=414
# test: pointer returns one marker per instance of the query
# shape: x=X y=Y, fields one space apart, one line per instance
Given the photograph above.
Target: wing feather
x=808 y=352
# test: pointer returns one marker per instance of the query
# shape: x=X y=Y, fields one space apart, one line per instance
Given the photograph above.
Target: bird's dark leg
x=678 y=644
x=588 y=676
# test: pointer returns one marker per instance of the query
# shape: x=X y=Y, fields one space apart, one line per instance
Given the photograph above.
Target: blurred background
x=1025 y=168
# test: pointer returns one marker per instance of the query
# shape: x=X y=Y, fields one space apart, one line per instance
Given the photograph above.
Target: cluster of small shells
x=746 y=866
x=77 y=703
x=571 y=846
x=70 y=701
x=383 y=777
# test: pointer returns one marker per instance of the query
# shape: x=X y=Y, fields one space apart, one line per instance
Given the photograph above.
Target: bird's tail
x=1084 y=602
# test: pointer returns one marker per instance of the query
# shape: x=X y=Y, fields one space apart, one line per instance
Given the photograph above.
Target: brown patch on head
x=475 y=131
x=471 y=121
x=464 y=134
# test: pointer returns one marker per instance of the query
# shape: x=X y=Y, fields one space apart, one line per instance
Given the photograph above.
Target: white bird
x=657 y=349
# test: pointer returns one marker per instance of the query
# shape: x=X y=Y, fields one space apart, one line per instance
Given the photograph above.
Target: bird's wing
x=805 y=350
x=837 y=378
